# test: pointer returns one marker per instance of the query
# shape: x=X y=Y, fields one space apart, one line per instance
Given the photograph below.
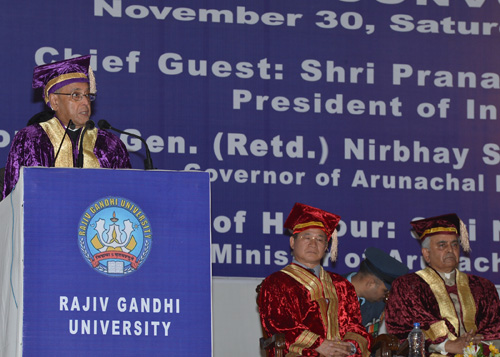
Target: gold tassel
x=92 y=83
x=334 y=246
x=464 y=237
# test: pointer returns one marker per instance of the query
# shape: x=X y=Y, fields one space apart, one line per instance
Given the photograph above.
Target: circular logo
x=114 y=236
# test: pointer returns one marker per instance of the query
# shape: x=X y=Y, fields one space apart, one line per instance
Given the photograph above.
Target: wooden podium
x=99 y=262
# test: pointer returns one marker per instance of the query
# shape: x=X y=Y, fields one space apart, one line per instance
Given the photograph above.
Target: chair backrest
x=276 y=342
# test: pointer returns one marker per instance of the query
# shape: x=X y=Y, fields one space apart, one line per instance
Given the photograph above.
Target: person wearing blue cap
x=372 y=283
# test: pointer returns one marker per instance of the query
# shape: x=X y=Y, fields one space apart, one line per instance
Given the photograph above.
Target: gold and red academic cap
x=303 y=217
x=445 y=224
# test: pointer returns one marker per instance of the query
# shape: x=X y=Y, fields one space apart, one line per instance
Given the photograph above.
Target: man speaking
x=67 y=138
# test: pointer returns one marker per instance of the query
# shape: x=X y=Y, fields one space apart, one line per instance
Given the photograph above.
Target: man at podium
x=68 y=138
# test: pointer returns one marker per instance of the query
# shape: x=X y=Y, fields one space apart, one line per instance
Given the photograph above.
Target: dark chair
x=275 y=342
x=385 y=345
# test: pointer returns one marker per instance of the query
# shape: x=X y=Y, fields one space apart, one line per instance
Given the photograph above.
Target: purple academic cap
x=53 y=76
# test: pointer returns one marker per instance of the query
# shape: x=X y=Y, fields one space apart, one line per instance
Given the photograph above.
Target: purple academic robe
x=32 y=147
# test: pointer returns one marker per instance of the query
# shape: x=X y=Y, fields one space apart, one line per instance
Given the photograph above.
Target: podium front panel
x=116 y=262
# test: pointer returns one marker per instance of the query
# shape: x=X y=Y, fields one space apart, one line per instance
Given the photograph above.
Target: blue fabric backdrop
x=379 y=111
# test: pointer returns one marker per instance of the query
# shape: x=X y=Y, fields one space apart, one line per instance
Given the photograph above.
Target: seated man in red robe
x=452 y=307
x=68 y=90
x=318 y=311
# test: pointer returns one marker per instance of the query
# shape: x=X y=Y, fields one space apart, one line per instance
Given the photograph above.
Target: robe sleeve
x=411 y=300
x=286 y=307
x=30 y=147
x=349 y=316
x=487 y=307
x=111 y=151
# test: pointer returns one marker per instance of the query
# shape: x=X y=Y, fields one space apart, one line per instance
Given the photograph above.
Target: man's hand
x=335 y=348
x=457 y=346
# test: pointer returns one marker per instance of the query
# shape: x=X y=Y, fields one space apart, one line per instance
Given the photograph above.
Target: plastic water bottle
x=416 y=342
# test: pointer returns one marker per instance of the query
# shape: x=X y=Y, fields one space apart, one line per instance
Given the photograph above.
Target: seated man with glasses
x=68 y=89
x=318 y=311
x=455 y=309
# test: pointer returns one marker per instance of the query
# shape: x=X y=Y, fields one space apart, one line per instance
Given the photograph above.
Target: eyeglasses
x=77 y=96
x=310 y=238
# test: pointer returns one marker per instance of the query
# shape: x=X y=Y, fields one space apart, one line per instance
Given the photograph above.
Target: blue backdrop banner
x=380 y=111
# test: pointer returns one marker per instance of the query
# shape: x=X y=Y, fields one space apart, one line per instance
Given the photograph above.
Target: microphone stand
x=88 y=125
x=148 y=162
x=70 y=126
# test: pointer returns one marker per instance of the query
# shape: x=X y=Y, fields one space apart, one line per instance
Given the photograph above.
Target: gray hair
x=426 y=243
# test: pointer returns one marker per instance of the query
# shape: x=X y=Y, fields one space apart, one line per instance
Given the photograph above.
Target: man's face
x=66 y=108
x=444 y=252
x=310 y=246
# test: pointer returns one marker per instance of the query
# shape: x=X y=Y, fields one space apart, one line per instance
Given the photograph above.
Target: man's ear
x=371 y=281
x=426 y=255
x=54 y=101
x=292 y=242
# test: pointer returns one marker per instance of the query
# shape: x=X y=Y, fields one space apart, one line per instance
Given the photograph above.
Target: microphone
x=89 y=125
x=70 y=126
x=148 y=162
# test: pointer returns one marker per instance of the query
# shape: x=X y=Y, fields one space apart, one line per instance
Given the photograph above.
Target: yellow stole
x=55 y=132
x=323 y=292
x=446 y=306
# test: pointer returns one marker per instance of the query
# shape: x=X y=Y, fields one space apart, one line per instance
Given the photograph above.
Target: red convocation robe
x=309 y=310
x=423 y=297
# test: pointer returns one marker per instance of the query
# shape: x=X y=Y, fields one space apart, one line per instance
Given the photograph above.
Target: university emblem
x=114 y=236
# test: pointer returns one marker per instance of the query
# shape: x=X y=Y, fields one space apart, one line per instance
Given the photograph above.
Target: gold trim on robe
x=89 y=159
x=305 y=340
x=331 y=300
x=320 y=291
x=446 y=306
x=324 y=293
x=55 y=132
x=362 y=342
x=439 y=329
x=467 y=302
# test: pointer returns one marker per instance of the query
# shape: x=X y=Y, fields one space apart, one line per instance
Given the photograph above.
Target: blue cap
x=383 y=266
